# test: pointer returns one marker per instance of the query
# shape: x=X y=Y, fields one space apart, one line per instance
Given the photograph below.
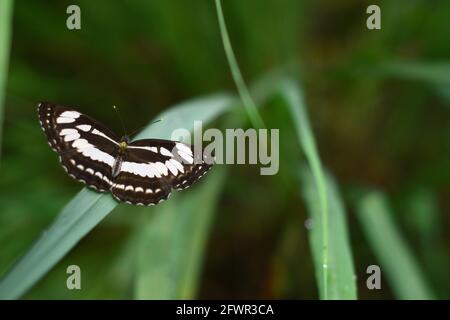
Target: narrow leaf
x=244 y=93
x=432 y=72
x=172 y=244
x=6 y=10
x=290 y=91
x=341 y=273
x=396 y=258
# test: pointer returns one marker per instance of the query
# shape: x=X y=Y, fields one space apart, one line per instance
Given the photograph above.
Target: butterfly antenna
x=121 y=120
x=145 y=126
x=156 y=121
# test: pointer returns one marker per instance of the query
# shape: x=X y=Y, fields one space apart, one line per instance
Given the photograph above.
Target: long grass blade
x=88 y=208
x=431 y=72
x=396 y=258
x=244 y=93
x=434 y=74
x=342 y=278
x=294 y=100
x=172 y=244
x=6 y=10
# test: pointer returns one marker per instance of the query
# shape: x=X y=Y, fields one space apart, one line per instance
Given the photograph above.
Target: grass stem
x=244 y=93
x=6 y=9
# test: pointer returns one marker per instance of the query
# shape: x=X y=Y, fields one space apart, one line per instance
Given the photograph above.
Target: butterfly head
x=123 y=144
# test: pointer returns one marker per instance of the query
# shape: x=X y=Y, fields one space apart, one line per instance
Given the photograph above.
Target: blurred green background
x=378 y=102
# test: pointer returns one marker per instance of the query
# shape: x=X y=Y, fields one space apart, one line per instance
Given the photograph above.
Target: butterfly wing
x=86 y=148
x=152 y=167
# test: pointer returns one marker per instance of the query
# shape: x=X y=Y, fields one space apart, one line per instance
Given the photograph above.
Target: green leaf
x=244 y=93
x=432 y=72
x=341 y=274
x=435 y=74
x=172 y=244
x=339 y=283
x=6 y=10
x=396 y=258
x=294 y=101
x=88 y=208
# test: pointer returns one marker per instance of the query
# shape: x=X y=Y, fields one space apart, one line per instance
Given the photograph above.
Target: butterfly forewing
x=87 y=149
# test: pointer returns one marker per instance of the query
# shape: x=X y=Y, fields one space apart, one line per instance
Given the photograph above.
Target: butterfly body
x=137 y=172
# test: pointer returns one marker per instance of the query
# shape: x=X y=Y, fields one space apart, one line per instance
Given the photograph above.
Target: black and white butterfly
x=142 y=172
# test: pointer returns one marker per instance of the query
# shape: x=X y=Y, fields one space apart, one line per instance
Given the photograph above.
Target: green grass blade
x=82 y=213
x=6 y=10
x=435 y=72
x=395 y=256
x=294 y=101
x=244 y=93
x=341 y=273
x=88 y=208
x=172 y=244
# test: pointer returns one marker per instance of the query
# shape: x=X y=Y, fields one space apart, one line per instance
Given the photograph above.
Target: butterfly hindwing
x=133 y=189
x=154 y=167
x=176 y=162
x=86 y=148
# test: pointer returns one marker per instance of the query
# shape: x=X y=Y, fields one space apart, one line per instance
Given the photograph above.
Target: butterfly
x=141 y=172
